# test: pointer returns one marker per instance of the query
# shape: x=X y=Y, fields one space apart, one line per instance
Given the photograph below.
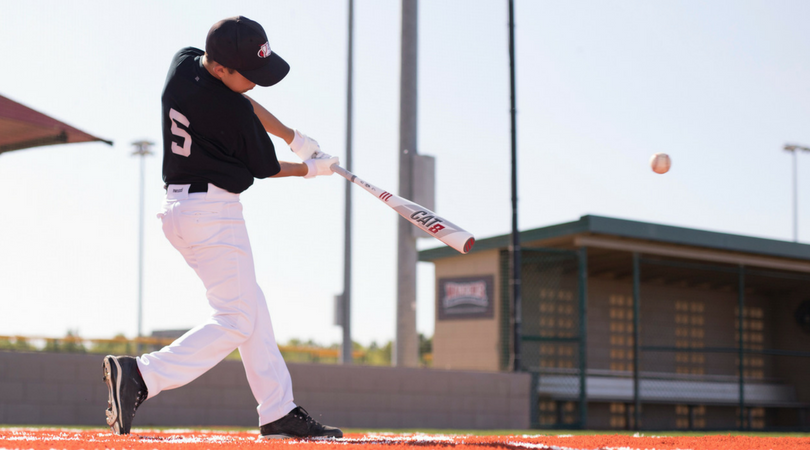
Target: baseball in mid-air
x=660 y=163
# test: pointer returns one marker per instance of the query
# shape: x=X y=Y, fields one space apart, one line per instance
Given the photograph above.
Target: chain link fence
x=552 y=346
x=722 y=346
x=661 y=343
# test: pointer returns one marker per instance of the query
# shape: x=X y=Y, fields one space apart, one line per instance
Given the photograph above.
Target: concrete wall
x=66 y=389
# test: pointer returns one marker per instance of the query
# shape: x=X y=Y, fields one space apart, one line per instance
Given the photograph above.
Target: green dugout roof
x=599 y=225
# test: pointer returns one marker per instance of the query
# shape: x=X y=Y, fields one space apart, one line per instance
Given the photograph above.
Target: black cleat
x=298 y=424
x=127 y=391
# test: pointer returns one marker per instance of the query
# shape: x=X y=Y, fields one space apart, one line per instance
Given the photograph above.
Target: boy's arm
x=270 y=123
x=303 y=146
x=289 y=169
x=308 y=169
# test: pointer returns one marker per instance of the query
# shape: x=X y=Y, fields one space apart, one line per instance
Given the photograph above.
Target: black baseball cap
x=241 y=44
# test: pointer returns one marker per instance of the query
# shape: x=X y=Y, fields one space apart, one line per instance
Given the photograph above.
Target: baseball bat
x=427 y=220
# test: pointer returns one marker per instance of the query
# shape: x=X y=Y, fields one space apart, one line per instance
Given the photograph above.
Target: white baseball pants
x=209 y=231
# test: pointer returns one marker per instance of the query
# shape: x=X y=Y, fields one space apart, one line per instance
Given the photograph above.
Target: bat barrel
x=418 y=215
x=462 y=241
x=469 y=245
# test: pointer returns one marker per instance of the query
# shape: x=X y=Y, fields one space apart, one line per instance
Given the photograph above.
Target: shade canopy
x=21 y=127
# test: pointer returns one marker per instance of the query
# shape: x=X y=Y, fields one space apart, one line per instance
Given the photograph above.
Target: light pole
x=793 y=148
x=346 y=314
x=142 y=149
x=515 y=261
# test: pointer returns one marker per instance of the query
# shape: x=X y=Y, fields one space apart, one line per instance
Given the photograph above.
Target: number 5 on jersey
x=176 y=118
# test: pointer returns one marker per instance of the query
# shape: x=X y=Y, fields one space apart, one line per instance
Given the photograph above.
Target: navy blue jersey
x=210 y=133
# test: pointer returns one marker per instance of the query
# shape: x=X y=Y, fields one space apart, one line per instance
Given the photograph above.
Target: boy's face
x=235 y=81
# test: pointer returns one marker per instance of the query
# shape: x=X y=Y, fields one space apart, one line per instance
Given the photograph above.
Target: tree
x=119 y=345
x=425 y=350
x=16 y=343
x=71 y=343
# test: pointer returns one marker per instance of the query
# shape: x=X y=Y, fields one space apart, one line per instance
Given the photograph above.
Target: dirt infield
x=72 y=439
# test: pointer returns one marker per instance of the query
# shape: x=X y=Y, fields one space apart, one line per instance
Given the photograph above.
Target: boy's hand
x=306 y=148
x=321 y=166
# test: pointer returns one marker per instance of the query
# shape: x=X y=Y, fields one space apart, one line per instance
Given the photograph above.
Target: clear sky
x=720 y=86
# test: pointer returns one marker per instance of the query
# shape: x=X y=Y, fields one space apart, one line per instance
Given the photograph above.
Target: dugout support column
x=636 y=336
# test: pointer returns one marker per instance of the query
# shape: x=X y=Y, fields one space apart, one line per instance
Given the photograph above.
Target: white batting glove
x=306 y=148
x=320 y=167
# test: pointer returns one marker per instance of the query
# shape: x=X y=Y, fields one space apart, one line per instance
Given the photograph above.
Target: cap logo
x=264 y=51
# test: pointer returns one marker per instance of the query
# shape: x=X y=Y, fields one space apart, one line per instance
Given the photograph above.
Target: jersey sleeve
x=257 y=150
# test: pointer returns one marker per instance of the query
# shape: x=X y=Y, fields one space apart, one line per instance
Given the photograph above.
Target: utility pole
x=142 y=149
x=406 y=348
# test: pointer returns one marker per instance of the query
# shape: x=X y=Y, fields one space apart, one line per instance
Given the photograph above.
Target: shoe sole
x=112 y=372
x=284 y=436
x=274 y=436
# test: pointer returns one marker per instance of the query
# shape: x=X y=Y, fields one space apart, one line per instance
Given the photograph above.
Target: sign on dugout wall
x=466 y=298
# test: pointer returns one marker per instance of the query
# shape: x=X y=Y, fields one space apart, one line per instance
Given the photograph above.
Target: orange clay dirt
x=73 y=439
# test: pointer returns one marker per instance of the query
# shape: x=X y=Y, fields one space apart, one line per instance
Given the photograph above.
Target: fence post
x=741 y=344
x=583 y=337
x=636 y=334
x=534 y=401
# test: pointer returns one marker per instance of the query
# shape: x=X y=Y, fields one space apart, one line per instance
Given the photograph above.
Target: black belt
x=194 y=187
x=198 y=187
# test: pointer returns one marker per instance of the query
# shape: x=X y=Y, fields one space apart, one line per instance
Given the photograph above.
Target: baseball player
x=215 y=143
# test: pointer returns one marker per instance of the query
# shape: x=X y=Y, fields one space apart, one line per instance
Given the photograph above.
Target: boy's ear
x=219 y=69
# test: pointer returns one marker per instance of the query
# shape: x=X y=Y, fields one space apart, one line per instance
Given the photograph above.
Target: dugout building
x=632 y=325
